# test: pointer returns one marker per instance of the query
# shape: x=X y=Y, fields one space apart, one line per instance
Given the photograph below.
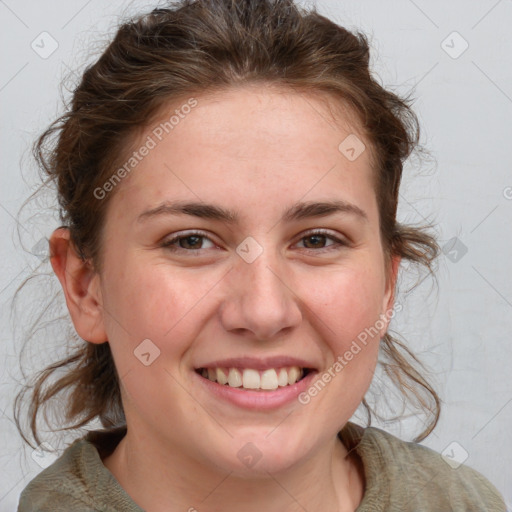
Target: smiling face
x=277 y=264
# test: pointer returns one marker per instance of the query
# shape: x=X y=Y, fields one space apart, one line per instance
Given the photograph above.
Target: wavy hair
x=196 y=46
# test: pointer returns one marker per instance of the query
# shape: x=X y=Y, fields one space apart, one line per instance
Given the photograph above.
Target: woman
x=228 y=174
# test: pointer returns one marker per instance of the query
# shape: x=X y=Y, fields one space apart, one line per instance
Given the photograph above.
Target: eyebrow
x=296 y=212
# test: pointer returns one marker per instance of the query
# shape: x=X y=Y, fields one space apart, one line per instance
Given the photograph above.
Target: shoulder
x=77 y=480
x=415 y=477
x=60 y=486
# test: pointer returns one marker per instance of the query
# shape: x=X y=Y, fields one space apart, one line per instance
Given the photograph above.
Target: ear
x=388 y=302
x=81 y=287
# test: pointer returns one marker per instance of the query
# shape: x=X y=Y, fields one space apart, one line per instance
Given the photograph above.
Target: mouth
x=255 y=383
x=251 y=379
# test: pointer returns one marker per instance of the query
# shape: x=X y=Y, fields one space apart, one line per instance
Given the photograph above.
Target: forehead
x=249 y=143
x=266 y=117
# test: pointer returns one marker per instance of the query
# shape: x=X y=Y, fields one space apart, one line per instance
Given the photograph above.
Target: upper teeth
x=253 y=379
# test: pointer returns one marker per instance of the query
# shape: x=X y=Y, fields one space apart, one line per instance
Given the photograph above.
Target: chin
x=258 y=454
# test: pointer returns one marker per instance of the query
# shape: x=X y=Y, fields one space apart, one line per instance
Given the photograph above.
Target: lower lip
x=258 y=400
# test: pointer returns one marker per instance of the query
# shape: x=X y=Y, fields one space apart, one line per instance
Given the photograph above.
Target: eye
x=194 y=242
x=316 y=240
x=190 y=242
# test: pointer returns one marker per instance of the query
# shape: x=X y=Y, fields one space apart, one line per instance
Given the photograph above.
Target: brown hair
x=198 y=46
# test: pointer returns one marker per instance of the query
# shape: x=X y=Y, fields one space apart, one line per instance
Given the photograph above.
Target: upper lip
x=258 y=363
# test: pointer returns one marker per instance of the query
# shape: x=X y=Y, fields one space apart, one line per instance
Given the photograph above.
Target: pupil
x=195 y=240
x=318 y=238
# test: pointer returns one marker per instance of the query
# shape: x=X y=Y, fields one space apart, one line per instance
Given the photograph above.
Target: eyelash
x=169 y=244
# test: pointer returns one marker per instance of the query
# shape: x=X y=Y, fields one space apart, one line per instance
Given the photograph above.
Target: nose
x=260 y=301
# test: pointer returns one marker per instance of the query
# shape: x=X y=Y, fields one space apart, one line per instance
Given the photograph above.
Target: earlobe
x=80 y=284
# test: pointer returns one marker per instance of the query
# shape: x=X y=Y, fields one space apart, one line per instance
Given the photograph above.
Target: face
x=259 y=274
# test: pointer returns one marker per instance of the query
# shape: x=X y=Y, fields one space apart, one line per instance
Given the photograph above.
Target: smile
x=252 y=379
x=263 y=389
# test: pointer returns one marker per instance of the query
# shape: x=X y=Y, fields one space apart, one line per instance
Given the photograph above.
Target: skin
x=257 y=151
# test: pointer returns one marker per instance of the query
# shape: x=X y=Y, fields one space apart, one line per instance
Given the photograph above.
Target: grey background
x=461 y=329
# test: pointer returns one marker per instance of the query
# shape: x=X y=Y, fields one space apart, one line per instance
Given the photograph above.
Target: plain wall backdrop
x=456 y=59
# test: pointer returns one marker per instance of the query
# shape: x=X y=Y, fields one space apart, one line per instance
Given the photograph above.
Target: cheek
x=347 y=301
x=137 y=305
x=150 y=302
x=154 y=301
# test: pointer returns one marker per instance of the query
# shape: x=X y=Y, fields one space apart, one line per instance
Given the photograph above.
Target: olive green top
x=399 y=476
